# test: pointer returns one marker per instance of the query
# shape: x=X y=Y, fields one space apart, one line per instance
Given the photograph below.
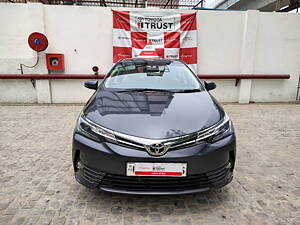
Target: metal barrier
x=237 y=77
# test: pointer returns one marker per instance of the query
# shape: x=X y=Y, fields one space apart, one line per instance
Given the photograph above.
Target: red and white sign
x=157 y=169
x=155 y=34
x=149 y=51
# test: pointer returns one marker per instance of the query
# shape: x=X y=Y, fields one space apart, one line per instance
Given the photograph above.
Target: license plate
x=157 y=169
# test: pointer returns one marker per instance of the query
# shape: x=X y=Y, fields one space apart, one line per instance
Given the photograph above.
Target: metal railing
x=101 y=76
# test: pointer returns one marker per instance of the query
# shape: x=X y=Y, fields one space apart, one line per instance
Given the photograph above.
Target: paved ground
x=37 y=184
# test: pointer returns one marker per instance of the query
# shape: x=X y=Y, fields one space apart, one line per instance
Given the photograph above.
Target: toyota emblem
x=157 y=149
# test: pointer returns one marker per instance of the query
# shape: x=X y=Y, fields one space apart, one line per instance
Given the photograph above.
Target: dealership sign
x=171 y=35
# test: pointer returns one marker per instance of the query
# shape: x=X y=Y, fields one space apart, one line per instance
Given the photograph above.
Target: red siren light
x=37 y=41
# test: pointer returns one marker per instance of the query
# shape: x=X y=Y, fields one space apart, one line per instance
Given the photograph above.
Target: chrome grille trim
x=128 y=143
x=192 y=142
x=147 y=141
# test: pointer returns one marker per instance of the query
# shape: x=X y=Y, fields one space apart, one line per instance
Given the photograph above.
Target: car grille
x=131 y=183
x=174 y=143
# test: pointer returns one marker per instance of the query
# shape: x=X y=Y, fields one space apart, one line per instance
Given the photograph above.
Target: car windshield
x=152 y=74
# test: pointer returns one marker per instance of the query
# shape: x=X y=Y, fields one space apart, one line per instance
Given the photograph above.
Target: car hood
x=153 y=115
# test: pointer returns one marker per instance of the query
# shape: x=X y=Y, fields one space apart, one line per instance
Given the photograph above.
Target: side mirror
x=209 y=85
x=91 y=84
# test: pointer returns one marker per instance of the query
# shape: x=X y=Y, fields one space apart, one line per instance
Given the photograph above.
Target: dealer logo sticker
x=154 y=23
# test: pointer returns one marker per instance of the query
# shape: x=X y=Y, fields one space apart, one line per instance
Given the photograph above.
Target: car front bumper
x=103 y=165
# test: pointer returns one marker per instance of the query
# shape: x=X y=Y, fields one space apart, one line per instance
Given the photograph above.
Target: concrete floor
x=37 y=184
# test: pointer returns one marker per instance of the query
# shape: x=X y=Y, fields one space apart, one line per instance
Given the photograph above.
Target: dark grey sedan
x=152 y=127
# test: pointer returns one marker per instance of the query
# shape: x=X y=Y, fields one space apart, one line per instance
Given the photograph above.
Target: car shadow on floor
x=156 y=203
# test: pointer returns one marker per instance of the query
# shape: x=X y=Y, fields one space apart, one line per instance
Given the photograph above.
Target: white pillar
x=36 y=24
x=245 y=91
x=43 y=91
x=248 y=53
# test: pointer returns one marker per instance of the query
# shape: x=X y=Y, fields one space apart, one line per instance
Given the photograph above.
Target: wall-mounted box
x=55 y=62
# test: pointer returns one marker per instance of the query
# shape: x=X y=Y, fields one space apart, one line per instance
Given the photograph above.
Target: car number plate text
x=157 y=169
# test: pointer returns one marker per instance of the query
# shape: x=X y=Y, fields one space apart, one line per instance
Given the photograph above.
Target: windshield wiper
x=144 y=89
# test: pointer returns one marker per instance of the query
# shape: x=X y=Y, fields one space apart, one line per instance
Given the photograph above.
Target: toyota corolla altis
x=152 y=127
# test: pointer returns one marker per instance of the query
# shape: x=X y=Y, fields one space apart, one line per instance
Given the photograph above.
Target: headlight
x=217 y=132
x=93 y=130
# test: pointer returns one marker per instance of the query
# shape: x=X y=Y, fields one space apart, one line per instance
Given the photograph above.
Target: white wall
x=219 y=49
x=83 y=34
x=277 y=50
x=13 y=51
x=228 y=43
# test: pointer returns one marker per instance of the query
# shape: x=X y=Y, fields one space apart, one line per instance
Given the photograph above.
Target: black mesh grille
x=154 y=183
x=131 y=183
x=205 y=180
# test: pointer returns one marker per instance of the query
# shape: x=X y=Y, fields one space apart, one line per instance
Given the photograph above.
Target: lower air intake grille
x=205 y=180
